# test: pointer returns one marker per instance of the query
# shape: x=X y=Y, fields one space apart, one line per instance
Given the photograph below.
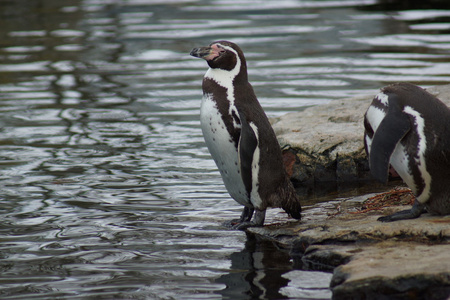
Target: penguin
x=409 y=129
x=240 y=138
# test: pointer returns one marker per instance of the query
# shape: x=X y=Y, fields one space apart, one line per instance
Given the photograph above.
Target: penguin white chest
x=222 y=148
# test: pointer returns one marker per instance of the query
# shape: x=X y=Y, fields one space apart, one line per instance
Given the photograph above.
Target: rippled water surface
x=107 y=189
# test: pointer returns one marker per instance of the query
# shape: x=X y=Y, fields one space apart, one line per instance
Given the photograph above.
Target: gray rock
x=395 y=270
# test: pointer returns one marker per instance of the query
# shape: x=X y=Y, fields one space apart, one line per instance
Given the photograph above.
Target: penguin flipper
x=394 y=126
x=246 y=148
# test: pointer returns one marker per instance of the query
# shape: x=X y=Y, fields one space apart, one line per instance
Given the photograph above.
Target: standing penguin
x=409 y=129
x=240 y=138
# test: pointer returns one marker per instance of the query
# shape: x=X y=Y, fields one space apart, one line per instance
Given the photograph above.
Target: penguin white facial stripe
x=227 y=48
x=254 y=197
x=421 y=148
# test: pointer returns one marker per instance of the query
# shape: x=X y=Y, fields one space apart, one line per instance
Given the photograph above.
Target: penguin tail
x=293 y=208
x=290 y=202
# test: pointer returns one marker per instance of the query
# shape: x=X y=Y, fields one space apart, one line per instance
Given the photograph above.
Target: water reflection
x=261 y=271
x=107 y=187
x=256 y=271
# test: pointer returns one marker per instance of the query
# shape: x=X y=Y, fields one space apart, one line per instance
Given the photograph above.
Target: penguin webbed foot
x=412 y=213
x=231 y=223
x=236 y=224
x=245 y=221
x=245 y=225
x=246 y=216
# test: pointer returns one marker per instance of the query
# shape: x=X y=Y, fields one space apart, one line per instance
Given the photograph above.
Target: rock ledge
x=407 y=259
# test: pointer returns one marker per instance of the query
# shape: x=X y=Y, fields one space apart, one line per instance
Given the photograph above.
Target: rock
x=409 y=259
x=325 y=142
x=396 y=270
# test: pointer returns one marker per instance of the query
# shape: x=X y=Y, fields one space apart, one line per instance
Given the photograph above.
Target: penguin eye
x=221 y=50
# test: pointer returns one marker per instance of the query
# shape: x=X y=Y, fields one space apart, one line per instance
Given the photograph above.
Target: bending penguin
x=240 y=138
x=409 y=129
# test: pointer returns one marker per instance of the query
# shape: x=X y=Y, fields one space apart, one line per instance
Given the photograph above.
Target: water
x=107 y=189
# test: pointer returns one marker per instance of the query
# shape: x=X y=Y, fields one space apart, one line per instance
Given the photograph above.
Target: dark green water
x=107 y=189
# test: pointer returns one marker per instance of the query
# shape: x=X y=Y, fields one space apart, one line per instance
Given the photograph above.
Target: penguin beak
x=207 y=53
x=202 y=52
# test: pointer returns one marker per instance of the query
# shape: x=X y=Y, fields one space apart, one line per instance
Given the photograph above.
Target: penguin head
x=223 y=55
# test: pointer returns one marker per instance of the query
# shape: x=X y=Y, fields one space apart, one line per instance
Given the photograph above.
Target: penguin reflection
x=256 y=272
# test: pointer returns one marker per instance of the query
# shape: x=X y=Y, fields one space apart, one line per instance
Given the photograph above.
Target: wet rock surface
x=325 y=142
x=369 y=259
